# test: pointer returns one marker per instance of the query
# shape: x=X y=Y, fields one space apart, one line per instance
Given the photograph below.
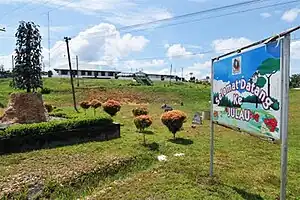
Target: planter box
x=62 y=138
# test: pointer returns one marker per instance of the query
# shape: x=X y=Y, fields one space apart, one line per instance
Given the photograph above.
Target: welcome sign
x=247 y=91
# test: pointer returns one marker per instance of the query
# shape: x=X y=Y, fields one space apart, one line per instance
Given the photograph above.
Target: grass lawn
x=245 y=167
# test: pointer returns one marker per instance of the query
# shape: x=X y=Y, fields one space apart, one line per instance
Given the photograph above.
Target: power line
x=196 y=20
x=60 y=6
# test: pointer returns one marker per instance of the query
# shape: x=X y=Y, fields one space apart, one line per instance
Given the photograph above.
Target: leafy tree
x=267 y=68
x=27 y=71
x=295 y=81
x=50 y=73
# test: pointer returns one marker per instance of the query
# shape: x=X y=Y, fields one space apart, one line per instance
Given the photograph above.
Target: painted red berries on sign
x=256 y=117
x=271 y=124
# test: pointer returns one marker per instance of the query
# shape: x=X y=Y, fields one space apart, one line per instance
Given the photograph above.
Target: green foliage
x=45 y=90
x=252 y=99
x=53 y=126
x=275 y=105
x=2 y=105
x=269 y=66
x=261 y=82
x=27 y=71
x=50 y=73
x=139 y=111
x=48 y=107
x=295 y=81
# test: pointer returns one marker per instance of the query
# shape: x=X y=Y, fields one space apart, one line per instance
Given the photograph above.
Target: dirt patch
x=124 y=96
x=129 y=96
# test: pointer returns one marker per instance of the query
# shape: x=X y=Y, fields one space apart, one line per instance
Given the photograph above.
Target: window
x=64 y=72
x=110 y=74
x=95 y=73
x=83 y=73
x=102 y=73
x=89 y=73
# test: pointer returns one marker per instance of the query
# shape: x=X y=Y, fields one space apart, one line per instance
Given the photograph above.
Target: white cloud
x=265 y=15
x=178 y=51
x=101 y=44
x=295 y=50
x=225 y=45
x=144 y=65
x=290 y=15
x=199 y=70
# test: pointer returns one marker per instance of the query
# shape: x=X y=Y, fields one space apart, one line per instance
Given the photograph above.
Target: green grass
x=245 y=167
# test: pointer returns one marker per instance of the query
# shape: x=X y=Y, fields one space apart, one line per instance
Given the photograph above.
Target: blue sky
x=93 y=26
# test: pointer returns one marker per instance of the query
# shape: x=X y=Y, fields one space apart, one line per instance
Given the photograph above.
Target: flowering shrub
x=112 y=107
x=95 y=104
x=85 y=105
x=141 y=122
x=139 y=111
x=48 y=107
x=271 y=124
x=173 y=120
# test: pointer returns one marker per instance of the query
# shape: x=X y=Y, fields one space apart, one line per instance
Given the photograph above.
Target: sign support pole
x=284 y=115
x=211 y=168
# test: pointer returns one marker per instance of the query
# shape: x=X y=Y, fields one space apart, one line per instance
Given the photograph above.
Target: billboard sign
x=247 y=91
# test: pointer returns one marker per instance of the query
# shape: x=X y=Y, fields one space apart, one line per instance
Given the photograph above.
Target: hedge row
x=53 y=126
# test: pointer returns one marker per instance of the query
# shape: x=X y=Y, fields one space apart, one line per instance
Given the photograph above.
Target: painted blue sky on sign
x=249 y=63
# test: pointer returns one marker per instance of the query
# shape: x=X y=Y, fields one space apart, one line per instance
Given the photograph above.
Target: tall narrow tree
x=27 y=71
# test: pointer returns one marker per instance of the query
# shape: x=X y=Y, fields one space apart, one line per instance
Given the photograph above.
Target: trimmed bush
x=95 y=104
x=141 y=123
x=45 y=90
x=139 y=111
x=45 y=128
x=85 y=105
x=48 y=107
x=173 y=120
x=112 y=107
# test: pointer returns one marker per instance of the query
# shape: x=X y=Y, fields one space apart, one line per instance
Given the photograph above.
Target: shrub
x=112 y=107
x=2 y=105
x=139 y=111
x=48 y=107
x=141 y=122
x=173 y=120
x=85 y=105
x=45 y=90
x=95 y=104
x=45 y=128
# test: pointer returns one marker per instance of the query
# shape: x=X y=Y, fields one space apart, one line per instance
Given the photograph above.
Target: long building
x=108 y=74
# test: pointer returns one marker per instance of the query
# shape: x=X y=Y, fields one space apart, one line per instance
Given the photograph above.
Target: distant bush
x=48 y=107
x=85 y=105
x=95 y=104
x=141 y=123
x=112 y=107
x=139 y=111
x=2 y=105
x=173 y=120
x=45 y=90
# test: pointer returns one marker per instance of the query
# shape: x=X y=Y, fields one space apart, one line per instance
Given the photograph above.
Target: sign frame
x=284 y=97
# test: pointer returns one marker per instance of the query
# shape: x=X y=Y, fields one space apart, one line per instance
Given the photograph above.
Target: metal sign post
x=285 y=67
x=211 y=168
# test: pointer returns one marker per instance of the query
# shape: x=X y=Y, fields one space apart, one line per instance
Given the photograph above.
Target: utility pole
x=71 y=73
x=49 y=41
x=12 y=62
x=182 y=74
x=77 y=71
x=170 y=74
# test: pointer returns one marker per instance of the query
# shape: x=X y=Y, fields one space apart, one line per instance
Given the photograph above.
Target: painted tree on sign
x=268 y=68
